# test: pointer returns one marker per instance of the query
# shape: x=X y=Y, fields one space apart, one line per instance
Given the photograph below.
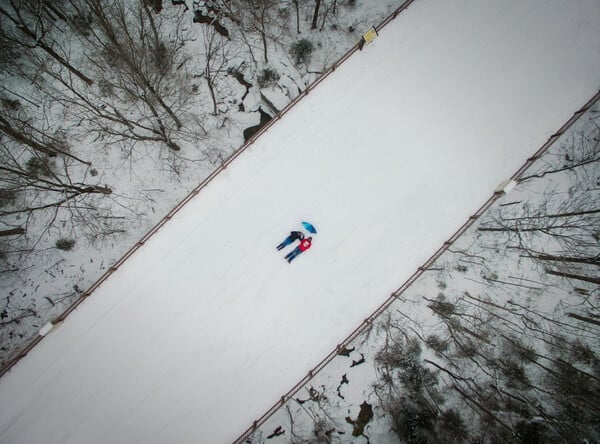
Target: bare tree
x=15 y=124
x=41 y=180
x=322 y=8
x=38 y=166
x=409 y=391
x=30 y=20
x=46 y=182
x=137 y=61
x=577 y=156
x=217 y=54
x=256 y=16
x=560 y=230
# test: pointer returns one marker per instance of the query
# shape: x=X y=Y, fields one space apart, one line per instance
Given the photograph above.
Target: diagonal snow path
x=201 y=330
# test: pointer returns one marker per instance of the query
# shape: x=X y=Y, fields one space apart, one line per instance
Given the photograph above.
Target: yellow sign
x=370 y=35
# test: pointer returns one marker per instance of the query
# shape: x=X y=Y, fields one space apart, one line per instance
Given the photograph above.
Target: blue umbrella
x=309 y=227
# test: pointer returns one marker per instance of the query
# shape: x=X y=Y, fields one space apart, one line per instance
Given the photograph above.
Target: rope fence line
x=420 y=270
x=60 y=318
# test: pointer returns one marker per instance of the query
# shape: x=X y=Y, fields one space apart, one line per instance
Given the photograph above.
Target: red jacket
x=304 y=245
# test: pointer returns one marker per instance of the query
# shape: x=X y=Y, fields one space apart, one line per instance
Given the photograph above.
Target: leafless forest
x=112 y=110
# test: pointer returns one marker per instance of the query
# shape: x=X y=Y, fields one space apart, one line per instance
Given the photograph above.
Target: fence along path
x=10 y=363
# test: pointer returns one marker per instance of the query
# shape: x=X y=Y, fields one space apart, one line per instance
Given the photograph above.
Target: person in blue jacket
x=294 y=235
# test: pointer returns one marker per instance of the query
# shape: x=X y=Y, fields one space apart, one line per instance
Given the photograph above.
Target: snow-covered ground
x=494 y=293
x=206 y=326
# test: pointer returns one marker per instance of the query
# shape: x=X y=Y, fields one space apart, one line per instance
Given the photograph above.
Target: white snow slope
x=207 y=326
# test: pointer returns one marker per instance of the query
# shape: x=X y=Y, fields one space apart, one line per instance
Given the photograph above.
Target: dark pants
x=292 y=254
x=288 y=240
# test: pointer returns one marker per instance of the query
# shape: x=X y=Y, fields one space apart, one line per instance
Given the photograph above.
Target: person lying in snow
x=291 y=238
x=304 y=245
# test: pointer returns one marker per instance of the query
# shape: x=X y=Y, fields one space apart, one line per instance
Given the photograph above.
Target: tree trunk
x=211 y=89
x=568 y=214
x=297 y=16
x=583 y=318
x=164 y=105
x=12 y=232
x=152 y=25
x=578 y=260
x=315 y=14
x=55 y=10
x=481 y=407
x=525 y=230
x=162 y=132
x=559 y=170
x=25 y=139
x=264 y=41
x=573 y=276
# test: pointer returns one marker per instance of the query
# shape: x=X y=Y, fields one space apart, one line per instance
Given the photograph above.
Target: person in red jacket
x=304 y=245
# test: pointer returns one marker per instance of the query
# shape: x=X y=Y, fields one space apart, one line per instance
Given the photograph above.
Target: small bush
x=7 y=197
x=580 y=352
x=161 y=57
x=10 y=104
x=65 y=244
x=533 y=433
x=106 y=88
x=491 y=276
x=322 y=430
x=412 y=420
x=301 y=51
x=436 y=343
x=522 y=352
x=93 y=172
x=452 y=427
x=267 y=77
x=82 y=24
x=466 y=350
x=40 y=166
x=442 y=308
x=60 y=142
x=8 y=51
x=398 y=355
x=515 y=375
